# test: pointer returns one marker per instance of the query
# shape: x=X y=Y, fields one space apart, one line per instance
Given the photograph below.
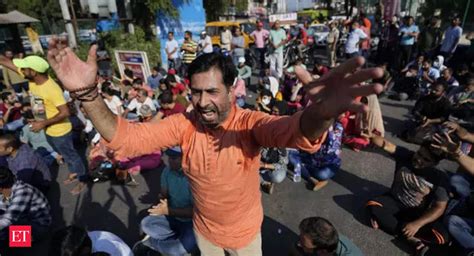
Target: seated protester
x=451 y=81
x=112 y=101
x=38 y=141
x=169 y=227
x=429 y=110
x=462 y=99
x=386 y=78
x=154 y=79
x=175 y=86
x=240 y=92
x=414 y=206
x=168 y=106
x=319 y=167
x=22 y=204
x=146 y=114
x=416 y=64
x=407 y=86
x=269 y=82
x=10 y=110
x=115 y=90
x=359 y=130
x=139 y=85
x=273 y=161
x=265 y=102
x=462 y=73
x=296 y=103
x=427 y=76
x=319 y=69
x=74 y=240
x=319 y=237
x=438 y=63
x=24 y=163
x=463 y=181
x=135 y=105
x=244 y=71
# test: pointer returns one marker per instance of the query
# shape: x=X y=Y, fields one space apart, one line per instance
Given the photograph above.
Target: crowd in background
x=425 y=206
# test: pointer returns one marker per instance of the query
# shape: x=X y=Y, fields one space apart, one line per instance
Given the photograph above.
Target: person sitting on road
x=462 y=99
x=359 y=130
x=25 y=163
x=318 y=236
x=75 y=240
x=414 y=206
x=265 y=101
x=321 y=166
x=268 y=81
x=169 y=228
x=22 y=204
x=319 y=69
x=429 y=111
x=274 y=161
x=10 y=108
x=135 y=105
x=168 y=106
x=427 y=76
x=112 y=101
x=138 y=85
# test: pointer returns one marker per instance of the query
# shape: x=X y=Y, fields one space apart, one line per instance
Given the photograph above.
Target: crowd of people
x=220 y=149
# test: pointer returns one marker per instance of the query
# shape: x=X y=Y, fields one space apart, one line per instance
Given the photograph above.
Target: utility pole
x=69 y=27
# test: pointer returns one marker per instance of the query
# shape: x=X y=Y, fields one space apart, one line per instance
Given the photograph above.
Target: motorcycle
x=290 y=53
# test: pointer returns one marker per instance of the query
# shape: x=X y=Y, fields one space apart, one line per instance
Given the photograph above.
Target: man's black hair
x=166 y=97
x=7 y=178
x=5 y=95
x=322 y=233
x=143 y=92
x=71 y=241
x=188 y=33
x=27 y=115
x=157 y=69
x=109 y=91
x=137 y=81
x=128 y=73
x=218 y=61
x=441 y=82
x=171 y=33
x=10 y=141
x=427 y=60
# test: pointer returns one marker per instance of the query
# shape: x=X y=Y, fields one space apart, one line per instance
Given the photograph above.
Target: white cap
x=203 y=32
x=241 y=59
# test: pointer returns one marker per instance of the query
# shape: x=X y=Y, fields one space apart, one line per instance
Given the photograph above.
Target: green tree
x=47 y=11
x=215 y=8
x=448 y=8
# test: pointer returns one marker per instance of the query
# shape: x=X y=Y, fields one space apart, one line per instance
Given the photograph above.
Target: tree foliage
x=47 y=11
x=448 y=8
x=216 y=8
x=118 y=40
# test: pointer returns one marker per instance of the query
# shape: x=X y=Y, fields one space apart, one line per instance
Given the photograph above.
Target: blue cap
x=174 y=151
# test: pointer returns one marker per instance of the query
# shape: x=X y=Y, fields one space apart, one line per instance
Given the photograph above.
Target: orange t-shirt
x=221 y=164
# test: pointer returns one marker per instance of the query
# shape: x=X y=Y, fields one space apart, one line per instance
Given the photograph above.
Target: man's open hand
x=73 y=72
x=335 y=92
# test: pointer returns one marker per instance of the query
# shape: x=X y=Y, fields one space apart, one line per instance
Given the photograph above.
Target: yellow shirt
x=45 y=99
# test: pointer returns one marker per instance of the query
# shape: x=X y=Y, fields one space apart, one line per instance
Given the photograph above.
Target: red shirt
x=178 y=88
x=178 y=108
x=15 y=113
x=320 y=72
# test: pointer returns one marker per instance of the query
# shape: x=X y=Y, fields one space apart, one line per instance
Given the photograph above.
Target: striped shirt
x=26 y=205
x=188 y=56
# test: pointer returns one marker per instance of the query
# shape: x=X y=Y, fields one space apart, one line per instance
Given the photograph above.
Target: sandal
x=70 y=179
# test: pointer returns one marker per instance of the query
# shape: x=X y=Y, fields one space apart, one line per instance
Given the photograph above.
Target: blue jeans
x=275 y=176
x=307 y=171
x=14 y=125
x=462 y=184
x=48 y=157
x=462 y=230
x=168 y=235
x=64 y=145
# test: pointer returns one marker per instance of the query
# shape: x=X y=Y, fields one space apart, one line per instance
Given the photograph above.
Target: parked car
x=213 y=29
x=320 y=34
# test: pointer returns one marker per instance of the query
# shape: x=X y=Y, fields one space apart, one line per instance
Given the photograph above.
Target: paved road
x=119 y=209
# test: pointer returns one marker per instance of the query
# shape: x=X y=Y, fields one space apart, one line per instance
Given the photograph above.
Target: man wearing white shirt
x=171 y=49
x=205 y=43
x=356 y=36
x=135 y=105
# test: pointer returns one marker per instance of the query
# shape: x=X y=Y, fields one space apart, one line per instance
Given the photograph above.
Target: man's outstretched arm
x=7 y=63
x=75 y=74
x=334 y=94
